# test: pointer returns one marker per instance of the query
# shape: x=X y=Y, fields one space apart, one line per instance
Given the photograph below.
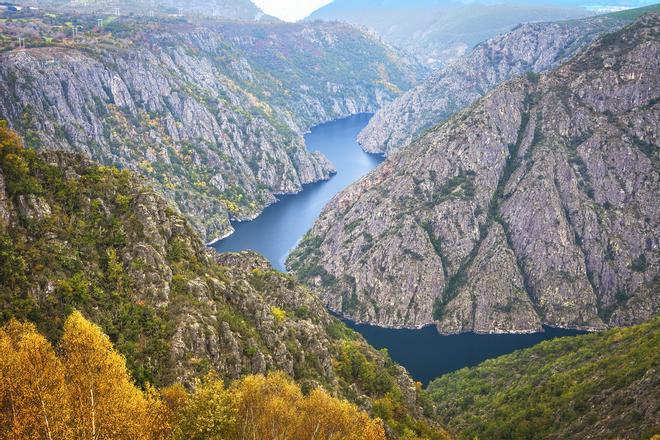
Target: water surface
x=425 y=353
x=279 y=228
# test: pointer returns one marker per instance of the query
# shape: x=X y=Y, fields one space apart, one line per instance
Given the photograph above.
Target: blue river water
x=425 y=353
x=279 y=228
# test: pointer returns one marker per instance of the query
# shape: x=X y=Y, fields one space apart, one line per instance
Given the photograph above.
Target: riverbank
x=277 y=230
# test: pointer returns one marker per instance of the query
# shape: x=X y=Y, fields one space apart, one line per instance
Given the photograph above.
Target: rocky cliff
x=74 y=235
x=537 y=205
x=211 y=113
x=533 y=47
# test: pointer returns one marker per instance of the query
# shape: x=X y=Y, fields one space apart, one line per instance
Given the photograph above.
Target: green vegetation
x=75 y=249
x=83 y=390
x=360 y=367
x=603 y=385
x=460 y=186
x=634 y=13
x=91 y=238
x=305 y=262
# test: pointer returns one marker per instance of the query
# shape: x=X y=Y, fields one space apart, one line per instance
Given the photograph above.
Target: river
x=279 y=228
x=425 y=353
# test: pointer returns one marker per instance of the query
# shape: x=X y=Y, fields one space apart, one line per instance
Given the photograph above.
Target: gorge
x=218 y=225
x=424 y=352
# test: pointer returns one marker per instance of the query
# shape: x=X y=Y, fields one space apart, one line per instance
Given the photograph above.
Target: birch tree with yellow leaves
x=105 y=402
x=33 y=397
x=87 y=393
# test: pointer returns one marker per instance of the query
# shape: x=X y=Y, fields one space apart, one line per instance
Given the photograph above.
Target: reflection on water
x=426 y=354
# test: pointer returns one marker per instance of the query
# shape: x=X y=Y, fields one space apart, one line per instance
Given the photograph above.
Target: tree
x=325 y=417
x=266 y=406
x=33 y=399
x=207 y=414
x=87 y=393
x=105 y=402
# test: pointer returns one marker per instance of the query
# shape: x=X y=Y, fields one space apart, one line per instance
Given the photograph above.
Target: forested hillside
x=78 y=236
x=603 y=385
x=82 y=389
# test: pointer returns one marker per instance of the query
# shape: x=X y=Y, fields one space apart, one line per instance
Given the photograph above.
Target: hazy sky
x=290 y=10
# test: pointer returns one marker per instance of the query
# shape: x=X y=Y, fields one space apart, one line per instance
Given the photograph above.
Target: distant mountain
x=537 y=205
x=438 y=31
x=533 y=47
x=593 y=386
x=230 y=9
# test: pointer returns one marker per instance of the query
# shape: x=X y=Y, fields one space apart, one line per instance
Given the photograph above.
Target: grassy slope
x=601 y=385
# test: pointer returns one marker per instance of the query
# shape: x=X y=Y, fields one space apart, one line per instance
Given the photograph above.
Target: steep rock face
x=565 y=165
x=198 y=110
x=533 y=47
x=95 y=239
x=493 y=297
x=69 y=100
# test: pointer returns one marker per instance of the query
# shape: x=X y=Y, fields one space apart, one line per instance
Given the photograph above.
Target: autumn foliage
x=270 y=407
x=82 y=390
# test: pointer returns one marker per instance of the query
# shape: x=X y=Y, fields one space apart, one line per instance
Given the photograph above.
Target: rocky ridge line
x=531 y=47
x=537 y=205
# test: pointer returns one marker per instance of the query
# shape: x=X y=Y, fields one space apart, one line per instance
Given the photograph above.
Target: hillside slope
x=589 y=387
x=537 y=205
x=439 y=31
x=533 y=47
x=230 y=9
x=75 y=235
x=211 y=113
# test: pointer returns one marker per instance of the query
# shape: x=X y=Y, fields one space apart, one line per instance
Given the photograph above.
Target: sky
x=290 y=10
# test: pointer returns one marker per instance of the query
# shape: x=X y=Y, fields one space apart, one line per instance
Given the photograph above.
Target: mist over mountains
x=439 y=31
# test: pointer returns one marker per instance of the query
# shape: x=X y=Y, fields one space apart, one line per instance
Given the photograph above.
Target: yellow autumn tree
x=267 y=406
x=273 y=406
x=88 y=394
x=208 y=414
x=33 y=398
x=325 y=417
x=105 y=402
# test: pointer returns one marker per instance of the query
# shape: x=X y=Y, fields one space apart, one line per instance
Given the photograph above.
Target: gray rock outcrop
x=531 y=47
x=537 y=205
x=212 y=115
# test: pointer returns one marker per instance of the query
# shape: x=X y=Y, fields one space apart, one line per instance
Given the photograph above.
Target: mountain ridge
x=513 y=213
x=437 y=32
x=532 y=47
x=211 y=113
